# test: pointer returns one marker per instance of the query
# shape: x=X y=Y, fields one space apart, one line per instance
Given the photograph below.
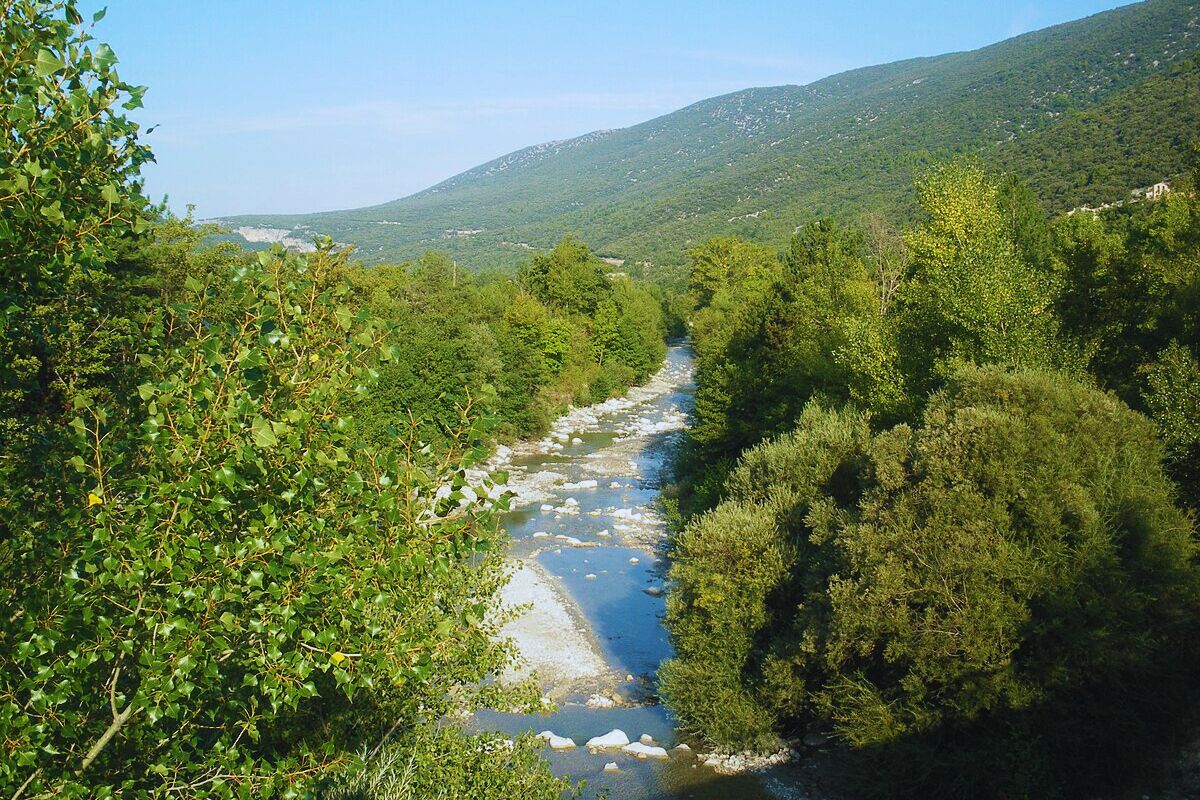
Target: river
x=588 y=541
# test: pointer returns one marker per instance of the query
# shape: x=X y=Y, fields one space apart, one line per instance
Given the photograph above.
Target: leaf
x=99 y=15
x=105 y=57
x=264 y=436
x=110 y=194
x=47 y=63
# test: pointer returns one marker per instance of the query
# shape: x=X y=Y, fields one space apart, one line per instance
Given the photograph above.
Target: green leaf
x=105 y=57
x=264 y=436
x=99 y=15
x=110 y=194
x=47 y=63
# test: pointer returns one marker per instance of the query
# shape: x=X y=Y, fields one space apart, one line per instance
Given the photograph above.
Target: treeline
x=229 y=563
x=939 y=500
x=516 y=350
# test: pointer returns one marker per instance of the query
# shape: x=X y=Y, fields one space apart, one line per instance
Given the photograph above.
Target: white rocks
x=576 y=440
x=571 y=540
x=613 y=739
x=604 y=534
x=615 y=485
x=644 y=751
x=646 y=738
x=600 y=701
x=733 y=763
x=547 y=507
x=654 y=591
x=682 y=747
x=591 y=576
x=611 y=767
x=540 y=534
x=556 y=742
x=634 y=560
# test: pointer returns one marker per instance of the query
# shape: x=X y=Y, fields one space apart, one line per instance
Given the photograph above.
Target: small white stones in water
x=547 y=507
x=682 y=747
x=576 y=440
x=604 y=534
x=614 y=738
x=646 y=738
x=653 y=591
x=615 y=485
x=611 y=767
x=634 y=560
x=571 y=540
x=591 y=576
x=540 y=534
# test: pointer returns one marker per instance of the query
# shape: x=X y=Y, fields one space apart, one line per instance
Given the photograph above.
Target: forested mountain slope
x=761 y=161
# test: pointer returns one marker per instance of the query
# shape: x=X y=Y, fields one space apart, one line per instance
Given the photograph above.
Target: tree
x=240 y=590
x=961 y=599
x=69 y=191
x=972 y=298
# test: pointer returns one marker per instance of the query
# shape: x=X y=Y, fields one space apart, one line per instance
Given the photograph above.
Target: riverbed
x=588 y=549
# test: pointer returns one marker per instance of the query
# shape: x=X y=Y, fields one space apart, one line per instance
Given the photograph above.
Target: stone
x=646 y=738
x=600 y=701
x=591 y=576
x=653 y=591
x=682 y=747
x=555 y=741
x=644 y=751
x=614 y=738
x=633 y=560
x=611 y=767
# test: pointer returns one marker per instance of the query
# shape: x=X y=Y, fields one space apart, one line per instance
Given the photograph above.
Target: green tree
x=240 y=591
x=69 y=192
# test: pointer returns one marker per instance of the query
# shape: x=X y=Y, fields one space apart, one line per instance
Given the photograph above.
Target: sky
x=264 y=106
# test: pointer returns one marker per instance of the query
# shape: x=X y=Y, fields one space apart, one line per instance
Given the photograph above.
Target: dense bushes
x=516 y=351
x=1013 y=567
x=963 y=549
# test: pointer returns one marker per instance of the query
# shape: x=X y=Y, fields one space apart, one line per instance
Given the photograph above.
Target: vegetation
x=967 y=546
x=240 y=555
x=1084 y=111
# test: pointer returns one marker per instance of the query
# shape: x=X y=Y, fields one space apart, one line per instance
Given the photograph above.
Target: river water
x=590 y=530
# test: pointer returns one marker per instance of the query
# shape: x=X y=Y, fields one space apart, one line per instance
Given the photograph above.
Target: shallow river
x=590 y=532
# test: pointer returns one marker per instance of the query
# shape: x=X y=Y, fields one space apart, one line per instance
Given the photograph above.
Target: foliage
x=69 y=193
x=486 y=767
x=960 y=599
x=240 y=569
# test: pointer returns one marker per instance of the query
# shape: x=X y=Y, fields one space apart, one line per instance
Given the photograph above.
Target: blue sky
x=279 y=107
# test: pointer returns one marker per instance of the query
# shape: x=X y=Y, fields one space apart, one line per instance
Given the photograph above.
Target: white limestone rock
x=613 y=739
x=644 y=751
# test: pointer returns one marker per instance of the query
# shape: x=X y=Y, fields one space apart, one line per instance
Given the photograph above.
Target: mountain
x=1084 y=111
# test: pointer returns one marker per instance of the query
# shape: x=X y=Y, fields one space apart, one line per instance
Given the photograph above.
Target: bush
x=237 y=591
x=1010 y=583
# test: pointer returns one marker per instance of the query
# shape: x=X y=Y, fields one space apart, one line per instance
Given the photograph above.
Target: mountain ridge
x=759 y=161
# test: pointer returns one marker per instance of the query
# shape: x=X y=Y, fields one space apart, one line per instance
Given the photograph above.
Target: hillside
x=1054 y=104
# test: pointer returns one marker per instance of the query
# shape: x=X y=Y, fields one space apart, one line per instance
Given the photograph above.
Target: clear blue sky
x=271 y=107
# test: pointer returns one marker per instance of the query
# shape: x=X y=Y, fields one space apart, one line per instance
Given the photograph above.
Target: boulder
x=646 y=738
x=644 y=751
x=614 y=738
x=555 y=741
x=611 y=767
